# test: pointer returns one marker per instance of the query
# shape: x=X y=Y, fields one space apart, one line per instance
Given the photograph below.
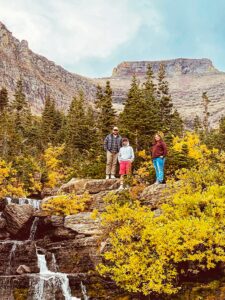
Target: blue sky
x=90 y=37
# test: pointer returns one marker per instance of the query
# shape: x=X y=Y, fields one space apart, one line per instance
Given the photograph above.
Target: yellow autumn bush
x=55 y=172
x=64 y=205
x=10 y=185
x=148 y=254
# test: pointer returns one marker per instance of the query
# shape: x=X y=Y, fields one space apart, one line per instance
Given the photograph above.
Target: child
x=125 y=157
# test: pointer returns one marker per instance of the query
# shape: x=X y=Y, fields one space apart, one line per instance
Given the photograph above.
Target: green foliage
x=106 y=115
x=4 y=100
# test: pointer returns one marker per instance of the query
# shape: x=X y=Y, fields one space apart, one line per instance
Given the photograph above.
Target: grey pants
x=111 y=163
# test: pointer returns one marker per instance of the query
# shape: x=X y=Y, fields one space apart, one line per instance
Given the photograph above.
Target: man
x=112 y=145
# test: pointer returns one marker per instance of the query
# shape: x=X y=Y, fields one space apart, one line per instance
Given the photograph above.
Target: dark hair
x=125 y=140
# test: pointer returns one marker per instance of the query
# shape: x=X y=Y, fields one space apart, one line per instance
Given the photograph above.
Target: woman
x=159 y=152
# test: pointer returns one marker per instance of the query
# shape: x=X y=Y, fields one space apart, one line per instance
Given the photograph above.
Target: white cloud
x=67 y=31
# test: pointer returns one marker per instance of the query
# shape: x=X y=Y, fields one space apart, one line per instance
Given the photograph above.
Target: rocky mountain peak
x=179 y=66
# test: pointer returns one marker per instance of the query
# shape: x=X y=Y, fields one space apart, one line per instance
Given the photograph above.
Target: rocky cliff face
x=56 y=257
x=41 y=77
x=188 y=79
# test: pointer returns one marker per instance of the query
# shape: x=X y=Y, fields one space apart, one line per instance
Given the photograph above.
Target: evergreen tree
x=197 y=124
x=165 y=101
x=4 y=100
x=177 y=124
x=106 y=114
x=80 y=128
x=130 y=118
x=51 y=123
x=21 y=108
x=205 y=102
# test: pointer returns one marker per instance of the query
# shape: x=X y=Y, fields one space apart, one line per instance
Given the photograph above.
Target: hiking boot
x=113 y=177
x=107 y=177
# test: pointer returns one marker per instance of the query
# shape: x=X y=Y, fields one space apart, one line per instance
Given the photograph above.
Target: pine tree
x=106 y=116
x=80 y=128
x=4 y=100
x=205 y=102
x=165 y=100
x=197 y=124
x=150 y=108
x=21 y=108
x=130 y=118
x=51 y=122
x=177 y=124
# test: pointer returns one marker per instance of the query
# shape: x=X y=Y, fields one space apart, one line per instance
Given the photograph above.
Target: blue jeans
x=158 y=164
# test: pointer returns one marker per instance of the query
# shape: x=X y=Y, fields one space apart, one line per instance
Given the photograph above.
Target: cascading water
x=33 y=229
x=84 y=291
x=11 y=254
x=56 y=279
x=35 y=203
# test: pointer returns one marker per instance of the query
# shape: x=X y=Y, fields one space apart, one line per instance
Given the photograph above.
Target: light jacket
x=126 y=153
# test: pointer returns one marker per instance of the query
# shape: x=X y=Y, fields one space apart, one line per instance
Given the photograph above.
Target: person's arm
x=132 y=154
x=164 y=149
x=119 y=156
x=106 y=143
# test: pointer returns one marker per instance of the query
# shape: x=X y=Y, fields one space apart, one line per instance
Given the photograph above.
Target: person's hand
x=161 y=156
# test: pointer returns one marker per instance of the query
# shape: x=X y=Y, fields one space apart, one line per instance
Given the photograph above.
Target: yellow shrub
x=149 y=253
x=53 y=165
x=9 y=183
x=64 y=205
x=195 y=148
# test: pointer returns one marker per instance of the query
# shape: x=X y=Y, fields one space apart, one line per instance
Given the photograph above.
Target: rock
x=82 y=223
x=92 y=186
x=22 y=269
x=2 y=223
x=4 y=235
x=17 y=216
x=41 y=77
x=153 y=195
x=57 y=221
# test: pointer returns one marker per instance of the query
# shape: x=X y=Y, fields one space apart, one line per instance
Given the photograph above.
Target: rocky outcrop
x=41 y=77
x=188 y=79
x=92 y=186
x=17 y=216
x=173 y=67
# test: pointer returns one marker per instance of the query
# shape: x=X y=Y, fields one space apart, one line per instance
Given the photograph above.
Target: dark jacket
x=113 y=144
x=159 y=149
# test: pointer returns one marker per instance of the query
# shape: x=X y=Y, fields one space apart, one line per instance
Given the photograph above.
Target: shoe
x=157 y=182
x=107 y=177
x=113 y=177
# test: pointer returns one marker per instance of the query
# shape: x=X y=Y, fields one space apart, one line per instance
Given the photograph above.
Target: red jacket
x=159 y=149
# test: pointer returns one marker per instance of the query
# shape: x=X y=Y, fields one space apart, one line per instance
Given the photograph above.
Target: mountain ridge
x=188 y=78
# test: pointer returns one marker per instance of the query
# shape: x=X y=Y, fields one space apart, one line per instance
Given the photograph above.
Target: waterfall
x=33 y=229
x=35 y=203
x=58 y=279
x=11 y=254
x=84 y=291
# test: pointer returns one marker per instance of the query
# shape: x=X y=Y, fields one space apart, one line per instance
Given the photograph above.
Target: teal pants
x=158 y=164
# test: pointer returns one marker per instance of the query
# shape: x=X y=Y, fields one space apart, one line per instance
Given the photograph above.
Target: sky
x=91 y=37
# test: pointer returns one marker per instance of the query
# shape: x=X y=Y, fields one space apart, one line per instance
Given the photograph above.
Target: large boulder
x=92 y=186
x=17 y=217
x=154 y=195
x=83 y=223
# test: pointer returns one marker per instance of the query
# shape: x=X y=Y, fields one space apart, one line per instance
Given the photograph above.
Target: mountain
x=188 y=79
x=41 y=76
